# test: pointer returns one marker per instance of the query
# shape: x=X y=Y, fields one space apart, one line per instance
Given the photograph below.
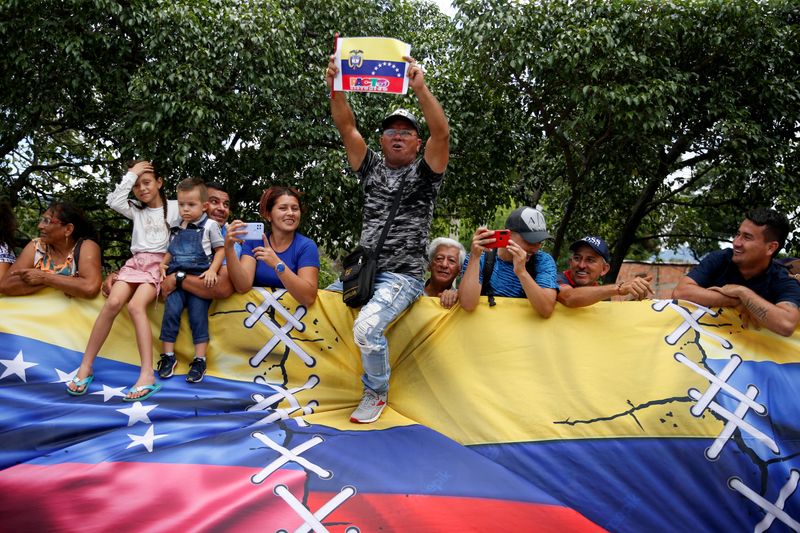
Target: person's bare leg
x=137 y=309
x=119 y=295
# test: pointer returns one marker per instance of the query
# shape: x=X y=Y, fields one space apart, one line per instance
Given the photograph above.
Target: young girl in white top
x=138 y=281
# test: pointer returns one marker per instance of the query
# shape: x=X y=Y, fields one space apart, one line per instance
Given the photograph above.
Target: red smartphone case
x=502 y=237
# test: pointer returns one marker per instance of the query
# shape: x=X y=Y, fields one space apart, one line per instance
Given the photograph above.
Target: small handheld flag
x=371 y=64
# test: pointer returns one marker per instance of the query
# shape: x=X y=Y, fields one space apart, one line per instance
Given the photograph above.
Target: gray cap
x=529 y=223
x=403 y=114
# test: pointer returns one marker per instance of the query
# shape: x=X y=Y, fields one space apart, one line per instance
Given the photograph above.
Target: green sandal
x=152 y=389
x=85 y=382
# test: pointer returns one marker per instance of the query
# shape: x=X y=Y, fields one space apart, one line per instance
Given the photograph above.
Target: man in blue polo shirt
x=746 y=276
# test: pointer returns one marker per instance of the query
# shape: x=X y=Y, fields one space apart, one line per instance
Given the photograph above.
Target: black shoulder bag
x=361 y=265
x=488 y=267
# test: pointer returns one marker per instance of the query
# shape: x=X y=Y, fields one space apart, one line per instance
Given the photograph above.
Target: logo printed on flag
x=371 y=64
x=356 y=59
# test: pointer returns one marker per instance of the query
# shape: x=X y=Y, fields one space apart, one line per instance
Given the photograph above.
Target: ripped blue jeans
x=394 y=293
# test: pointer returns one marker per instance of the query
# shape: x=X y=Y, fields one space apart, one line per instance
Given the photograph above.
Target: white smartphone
x=255 y=231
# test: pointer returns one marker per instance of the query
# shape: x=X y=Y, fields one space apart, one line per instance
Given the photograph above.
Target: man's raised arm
x=437 y=149
x=345 y=120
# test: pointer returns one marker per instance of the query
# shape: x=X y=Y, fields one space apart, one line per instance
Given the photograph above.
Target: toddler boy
x=196 y=247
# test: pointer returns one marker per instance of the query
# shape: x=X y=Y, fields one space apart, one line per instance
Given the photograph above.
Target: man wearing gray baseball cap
x=521 y=268
x=579 y=284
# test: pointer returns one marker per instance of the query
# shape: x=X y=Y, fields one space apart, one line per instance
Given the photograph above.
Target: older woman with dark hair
x=64 y=256
x=283 y=258
x=8 y=226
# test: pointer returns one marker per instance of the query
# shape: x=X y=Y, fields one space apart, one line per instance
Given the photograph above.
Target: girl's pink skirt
x=143 y=267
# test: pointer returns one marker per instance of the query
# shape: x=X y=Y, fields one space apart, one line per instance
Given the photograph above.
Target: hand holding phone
x=254 y=231
x=501 y=238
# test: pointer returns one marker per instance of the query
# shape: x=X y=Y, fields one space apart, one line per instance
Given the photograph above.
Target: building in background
x=665 y=275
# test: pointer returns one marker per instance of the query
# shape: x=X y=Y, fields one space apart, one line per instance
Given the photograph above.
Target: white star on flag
x=137 y=413
x=16 y=366
x=147 y=439
x=64 y=377
x=110 y=392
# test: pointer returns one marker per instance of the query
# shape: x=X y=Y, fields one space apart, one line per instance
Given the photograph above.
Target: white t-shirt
x=150 y=230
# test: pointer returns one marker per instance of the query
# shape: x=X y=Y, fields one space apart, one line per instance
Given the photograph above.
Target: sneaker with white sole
x=370 y=407
x=166 y=366
x=196 y=370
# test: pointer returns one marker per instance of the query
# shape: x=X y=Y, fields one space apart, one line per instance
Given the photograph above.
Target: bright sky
x=445 y=6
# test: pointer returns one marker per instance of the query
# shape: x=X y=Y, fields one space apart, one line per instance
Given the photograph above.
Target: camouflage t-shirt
x=404 y=251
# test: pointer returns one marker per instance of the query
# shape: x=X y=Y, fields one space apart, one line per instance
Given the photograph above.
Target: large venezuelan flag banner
x=631 y=417
x=371 y=64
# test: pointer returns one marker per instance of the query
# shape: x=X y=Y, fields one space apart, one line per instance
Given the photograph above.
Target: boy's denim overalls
x=188 y=255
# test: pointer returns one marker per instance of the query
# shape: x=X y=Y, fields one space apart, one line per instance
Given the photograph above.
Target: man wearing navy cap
x=402 y=261
x=589 y=261
x=520 y=270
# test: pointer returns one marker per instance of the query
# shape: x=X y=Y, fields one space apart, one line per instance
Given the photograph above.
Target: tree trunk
x=564 y=224
x=627 y=235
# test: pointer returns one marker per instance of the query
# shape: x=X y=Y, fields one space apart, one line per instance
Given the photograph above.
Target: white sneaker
x=370 y=407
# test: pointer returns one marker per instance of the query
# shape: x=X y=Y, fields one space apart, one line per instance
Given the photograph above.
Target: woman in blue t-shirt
x=284 y=258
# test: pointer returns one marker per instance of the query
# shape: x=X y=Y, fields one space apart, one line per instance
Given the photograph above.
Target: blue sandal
x=85 y=382
x=151 y=389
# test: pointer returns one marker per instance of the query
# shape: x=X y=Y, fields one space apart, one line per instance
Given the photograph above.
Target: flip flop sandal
x=85 y=382
x=152 y=389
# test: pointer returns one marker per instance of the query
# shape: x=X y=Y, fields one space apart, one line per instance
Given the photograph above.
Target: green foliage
x=229 y=90
x=650 y=123
x=646 y=122
x=328 y=272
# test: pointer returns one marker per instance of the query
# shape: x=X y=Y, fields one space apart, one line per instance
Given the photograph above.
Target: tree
x=638 y=120
x=229 y=90
x=649 y=123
